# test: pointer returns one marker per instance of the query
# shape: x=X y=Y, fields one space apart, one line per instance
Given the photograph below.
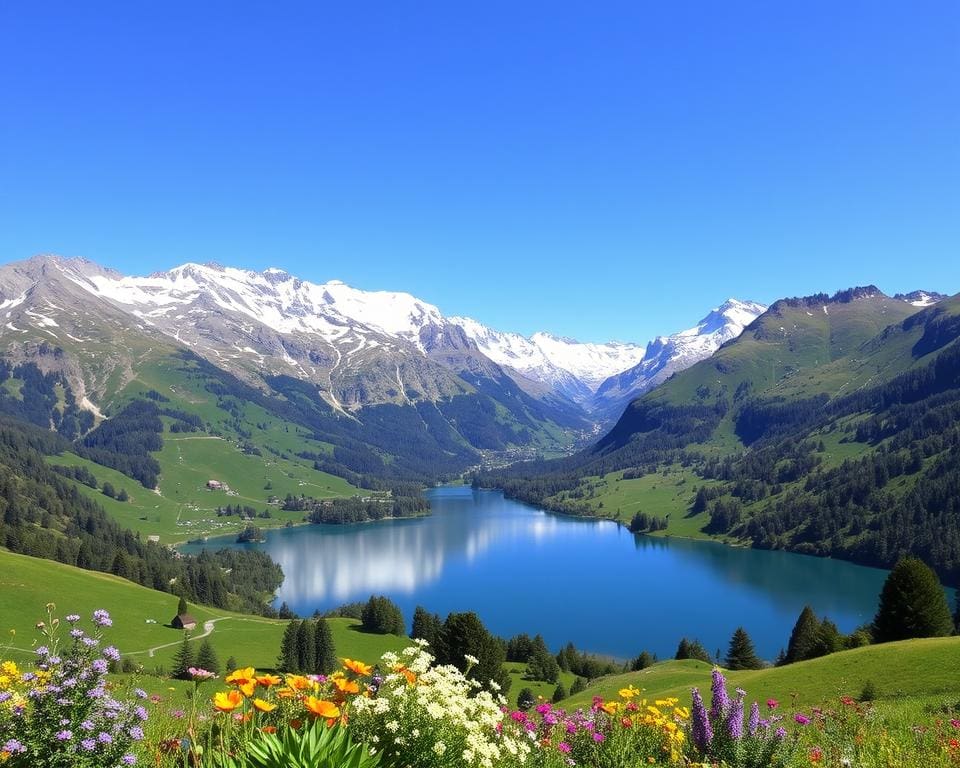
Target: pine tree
x=559 y=693
x=741 y=654
x=183 y=659
x=325 y=660
x=804 y=637
x=526 y=699
x=182 y=606
x=426 y=626
x=642 y=661
x=463 y=634
x=231 y=664
x=683 y=650
x=306 y=646
x=912 y=604
x=207 y=658
x=579 y=685
x=287 y=661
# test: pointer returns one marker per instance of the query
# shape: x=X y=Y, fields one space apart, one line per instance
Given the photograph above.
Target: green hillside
x=830 y=427
x=27 y=584
x=910 y=668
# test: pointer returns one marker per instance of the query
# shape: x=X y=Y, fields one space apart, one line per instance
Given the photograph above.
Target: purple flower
x=735 y=721
x=14 y=747
x=598 y=737
x=64 y=735
x=136 y=733
x=104 y=738
x=76 y=634
x=72 y=618
x=781 y=733
x=700 y=731
x=141 y=713
x=140 y=693
x=88 y=744
x=111 y=653
x=4 y=696
x=802 y=719
x=102 y=619
x=87 y=725
x=754 y=722
x=42 y=651
x=128 y=759
x=720 y=700
x=99 y=666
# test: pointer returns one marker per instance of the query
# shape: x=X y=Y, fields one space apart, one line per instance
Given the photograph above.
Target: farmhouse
x=183 y=621
x=215 y=485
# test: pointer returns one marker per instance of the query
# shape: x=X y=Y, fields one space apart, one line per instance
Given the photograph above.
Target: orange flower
x=227 y=701
x=411 y=677
x=286 y=693
x=267 y=680
x=295 y=724
x=610 y=707
x=321 y=708
x=299 y=682
x=241 y=676
x=247 y=688
x=358 y=667
x=264 y=706
x=269 y=729
x=346 y=686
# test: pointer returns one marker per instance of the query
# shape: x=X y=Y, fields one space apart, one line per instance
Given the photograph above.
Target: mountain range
x=358 y=350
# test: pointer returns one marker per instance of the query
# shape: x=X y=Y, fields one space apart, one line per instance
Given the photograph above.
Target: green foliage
x=692 y=649
x=426 y=626
x=869 y=691
x=182 y=607
x=559 y=693
x=912 y=604
x=325 y=660
x=525 y=699
x=465 y=635
x=541 y=664
x=207 y=657
x=183 y=660
x=313 y=746
x=642 y=661
x=382 y=616
x=289 y=660
x=741 y=654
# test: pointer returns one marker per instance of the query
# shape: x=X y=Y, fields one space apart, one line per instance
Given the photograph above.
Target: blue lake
x=592 y=582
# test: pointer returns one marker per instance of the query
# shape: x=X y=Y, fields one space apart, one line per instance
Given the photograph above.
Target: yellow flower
x=300 y=683
x=346 y=686
x=247 y=688
x=629 y=692
x=227 y=701
x=264 y=706
x=611 y=707
x=358 y=667
x=241 y=676
x=267 y=680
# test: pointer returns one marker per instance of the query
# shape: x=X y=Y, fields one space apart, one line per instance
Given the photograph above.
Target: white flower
x=471 y=659
x=439 y=748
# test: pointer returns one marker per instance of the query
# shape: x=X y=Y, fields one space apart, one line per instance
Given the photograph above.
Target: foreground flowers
x=63 y=711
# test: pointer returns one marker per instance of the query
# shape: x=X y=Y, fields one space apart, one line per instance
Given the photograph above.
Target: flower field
x=405 y=711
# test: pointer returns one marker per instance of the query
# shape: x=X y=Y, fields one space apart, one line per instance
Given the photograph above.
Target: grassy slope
x=27 y=584
x=910 y=668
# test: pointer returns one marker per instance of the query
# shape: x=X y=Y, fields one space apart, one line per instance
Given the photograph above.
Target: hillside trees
x=912 y=604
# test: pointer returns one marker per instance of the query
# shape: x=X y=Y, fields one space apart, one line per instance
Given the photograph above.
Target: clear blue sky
x=601 y=170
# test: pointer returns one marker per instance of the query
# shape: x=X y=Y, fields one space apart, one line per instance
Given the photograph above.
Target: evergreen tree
x=426 y=626
x=207 y=658
x=912 y=604
x=642 y=661
x=382 y=616
x=231 y=664
x=306 y=646
x=541 y=664
x=526 y=699
x=559 y=693
x=183 y=659
x=464 y=634
x=182 y=606
x=288 y=661
x=741 y=654
x=804 y=637
x=579 y=685
x=683 y=650
x=325 y=660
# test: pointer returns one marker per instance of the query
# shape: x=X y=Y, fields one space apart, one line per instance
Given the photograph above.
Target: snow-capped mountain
x=359 y=348
x=569 y=367
x=920 y=298
x=666 y=355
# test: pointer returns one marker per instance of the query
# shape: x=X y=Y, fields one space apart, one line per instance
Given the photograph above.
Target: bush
x=382 y=616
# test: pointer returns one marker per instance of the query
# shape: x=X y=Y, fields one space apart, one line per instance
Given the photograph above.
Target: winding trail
x=207 y=630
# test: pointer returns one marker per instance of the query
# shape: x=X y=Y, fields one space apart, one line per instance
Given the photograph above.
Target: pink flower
x=772 y=703
x=801 y=719
x=563 y=747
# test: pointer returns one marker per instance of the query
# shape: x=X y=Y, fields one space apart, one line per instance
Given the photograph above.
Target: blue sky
x=600 y=170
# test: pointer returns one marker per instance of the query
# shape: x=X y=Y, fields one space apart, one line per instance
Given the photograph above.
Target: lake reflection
x=592 y=582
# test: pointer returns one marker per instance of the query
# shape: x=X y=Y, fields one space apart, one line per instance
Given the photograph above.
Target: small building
x=184 y=621
x=214 y=485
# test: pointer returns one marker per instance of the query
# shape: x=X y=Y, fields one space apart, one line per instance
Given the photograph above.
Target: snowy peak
x=921 y=299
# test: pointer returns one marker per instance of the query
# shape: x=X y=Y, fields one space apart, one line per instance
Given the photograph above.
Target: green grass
x=912 y=668
x=27 y=584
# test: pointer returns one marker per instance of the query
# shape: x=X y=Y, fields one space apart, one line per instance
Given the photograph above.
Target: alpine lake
x=591 y=582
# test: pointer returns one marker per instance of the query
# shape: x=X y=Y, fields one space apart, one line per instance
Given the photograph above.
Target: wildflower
x=801 y=719
x=64 y=735
x=268 y=680
x=128 y=759
x=772 y=703
x=358 y=667
x=781 y=733
x=346 y=686
x=735 y=721
x=720 y=701
x=241 y=676
x=102 y=619
x=13 y=747
x=111 y=653
x=700 y=731
x=816 y=755
x=754 y=721
x=227 y=701
x=629 y=692
x=200 y=675
x=321 y=708
x=263 y=706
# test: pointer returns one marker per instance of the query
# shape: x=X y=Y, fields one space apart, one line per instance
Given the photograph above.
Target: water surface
x=592 y=582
